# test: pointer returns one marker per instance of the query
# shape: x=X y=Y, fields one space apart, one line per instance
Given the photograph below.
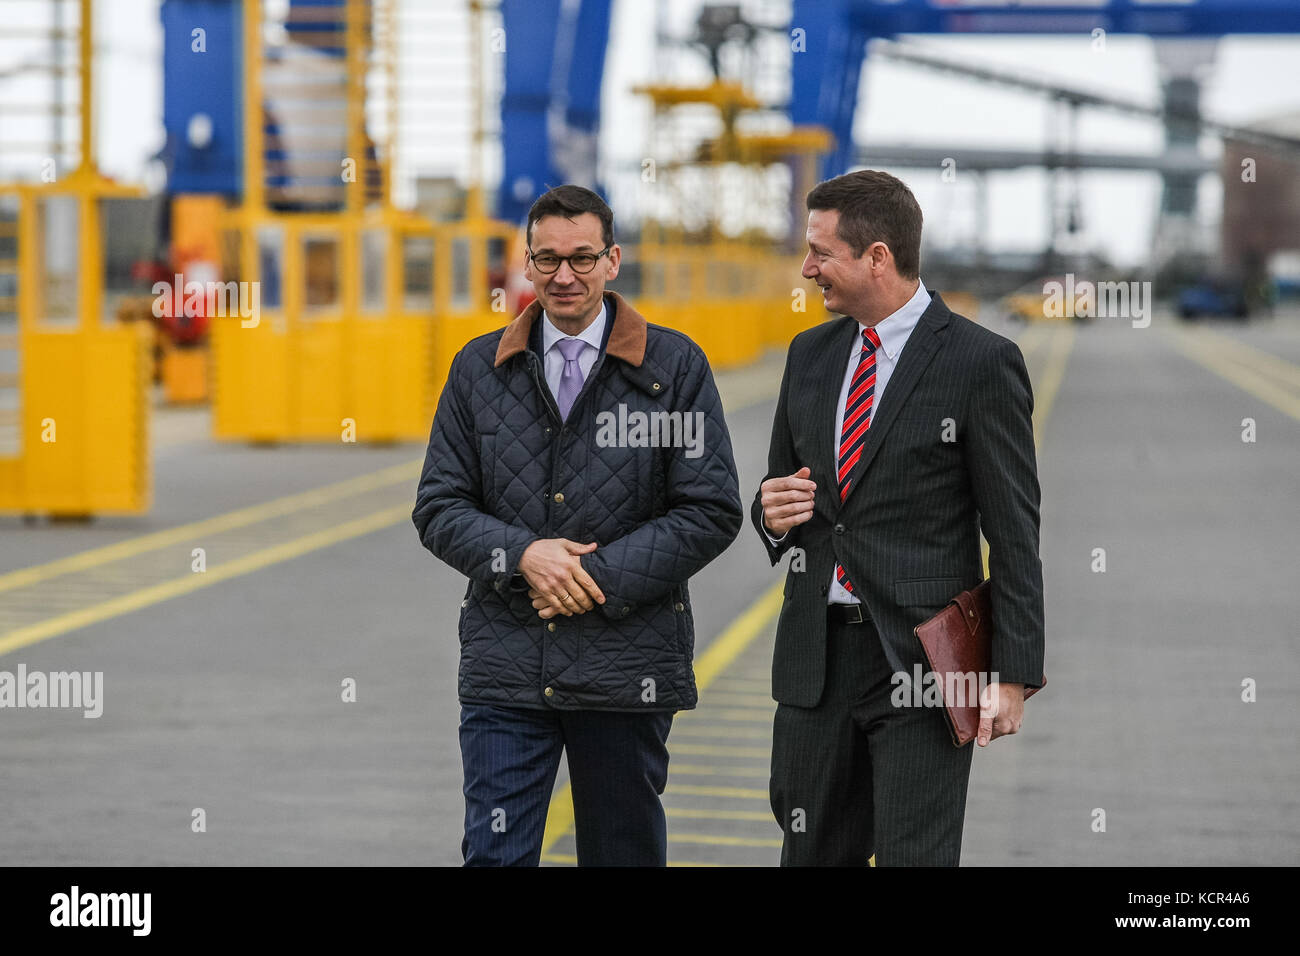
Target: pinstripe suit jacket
x=950 y=452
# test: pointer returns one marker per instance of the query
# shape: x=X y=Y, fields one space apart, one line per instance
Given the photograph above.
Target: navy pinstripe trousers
x=618 y=768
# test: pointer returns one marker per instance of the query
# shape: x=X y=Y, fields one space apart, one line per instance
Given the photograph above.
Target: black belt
x=847 y=614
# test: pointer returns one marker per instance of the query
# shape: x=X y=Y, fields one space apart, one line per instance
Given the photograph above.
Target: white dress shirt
x=894 y=331
x=593 y=335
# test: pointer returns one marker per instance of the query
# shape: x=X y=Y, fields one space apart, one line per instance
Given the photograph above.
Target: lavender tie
x=571 y=377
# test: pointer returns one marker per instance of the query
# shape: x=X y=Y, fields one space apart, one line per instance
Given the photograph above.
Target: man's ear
x=879 y=255
x=615 y=257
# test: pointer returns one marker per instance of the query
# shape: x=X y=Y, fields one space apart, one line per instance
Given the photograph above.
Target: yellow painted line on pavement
x=1245 y=372
x=1031 y=339
x=1274 y=366
x=737 y=716
x=719 y=750
x=1245 y=377
x=699 y=770
x=764 y=701
x=144 y=597
x=716 y=657
x=697 y=863
x=694 y=813
x=276 y=508
x=708 y=731
x=570 y=859
x=743 y=684
x=738 y=636
x=1053 y=373
x=740 y=793
x=709 y=839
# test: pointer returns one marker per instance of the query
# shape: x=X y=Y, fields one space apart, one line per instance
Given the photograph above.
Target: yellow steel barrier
x=358 y=319
x=734 y=300
x=80 y=437
x=469 y=301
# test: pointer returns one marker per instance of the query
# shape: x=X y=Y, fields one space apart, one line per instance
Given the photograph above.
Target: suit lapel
x=915 y=359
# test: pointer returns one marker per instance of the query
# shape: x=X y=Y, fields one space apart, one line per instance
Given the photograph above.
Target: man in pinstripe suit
x=902 y=431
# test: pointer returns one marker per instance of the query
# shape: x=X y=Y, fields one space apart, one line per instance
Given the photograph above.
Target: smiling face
x=571 y=300
x=846 y=280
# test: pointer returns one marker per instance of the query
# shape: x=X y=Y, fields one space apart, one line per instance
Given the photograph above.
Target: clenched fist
x=787 y=501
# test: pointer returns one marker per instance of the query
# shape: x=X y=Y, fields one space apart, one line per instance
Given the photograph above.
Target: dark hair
x=874 y=207
x=572 y=201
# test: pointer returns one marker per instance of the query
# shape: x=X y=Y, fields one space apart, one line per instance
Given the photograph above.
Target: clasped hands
x=556 y=580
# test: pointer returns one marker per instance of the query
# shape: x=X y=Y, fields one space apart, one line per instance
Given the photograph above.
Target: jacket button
x=465 y=603
x=559 y=497
x=679 y=606
x=838 y=529
x=551 y=626
x=626 y=610
x=549 y=692
x=656 y=386
x=825 y=590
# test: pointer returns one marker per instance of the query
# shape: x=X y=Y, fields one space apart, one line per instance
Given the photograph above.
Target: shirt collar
x=894 y=329
x=593 y=334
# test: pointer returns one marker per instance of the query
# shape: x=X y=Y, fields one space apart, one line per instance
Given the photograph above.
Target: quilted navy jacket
x=502 y=470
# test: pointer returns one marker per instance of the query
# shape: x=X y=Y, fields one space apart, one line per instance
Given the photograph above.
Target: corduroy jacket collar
x=626 y=338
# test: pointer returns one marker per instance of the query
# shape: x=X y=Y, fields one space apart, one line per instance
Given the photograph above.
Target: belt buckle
x=852 y=613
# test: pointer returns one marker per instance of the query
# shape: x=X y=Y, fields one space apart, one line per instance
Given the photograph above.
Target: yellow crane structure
x=734 y=289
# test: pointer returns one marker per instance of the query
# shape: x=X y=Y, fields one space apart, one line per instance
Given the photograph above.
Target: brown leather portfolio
x=958 y=647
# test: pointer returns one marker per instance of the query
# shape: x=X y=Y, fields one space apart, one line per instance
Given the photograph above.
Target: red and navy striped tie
x=857 y=419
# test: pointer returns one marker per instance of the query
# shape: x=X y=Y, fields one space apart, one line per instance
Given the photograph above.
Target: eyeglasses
x=581 y=263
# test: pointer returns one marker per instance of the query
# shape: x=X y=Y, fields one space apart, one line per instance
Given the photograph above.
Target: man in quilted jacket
x=579 y=471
